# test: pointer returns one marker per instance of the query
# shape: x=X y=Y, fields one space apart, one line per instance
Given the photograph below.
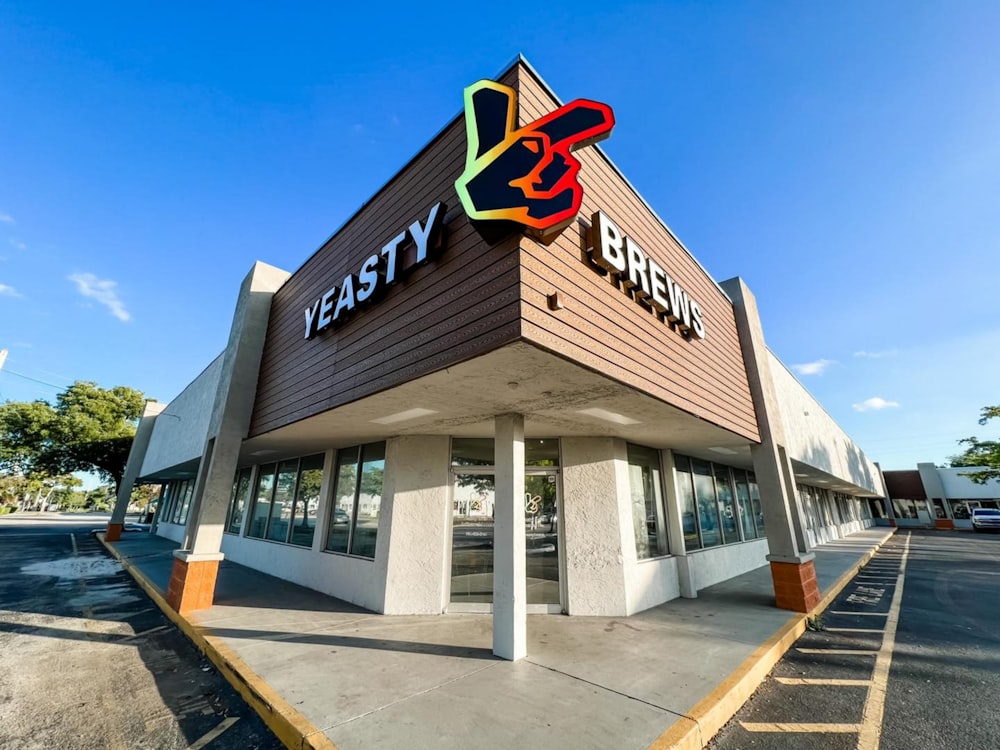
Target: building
x=457 y=406
x=936 y=496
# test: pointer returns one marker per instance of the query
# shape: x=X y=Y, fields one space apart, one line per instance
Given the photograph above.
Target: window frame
x=358 y=464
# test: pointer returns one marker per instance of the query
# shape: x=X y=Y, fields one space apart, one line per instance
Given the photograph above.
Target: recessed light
x=609 y=416
x=403 y=416
x=265 y=452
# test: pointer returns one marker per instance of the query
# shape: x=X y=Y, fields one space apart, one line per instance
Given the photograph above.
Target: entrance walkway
x=670 y=676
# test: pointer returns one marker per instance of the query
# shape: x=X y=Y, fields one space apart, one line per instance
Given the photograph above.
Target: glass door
x=472 y=540
x=541 y=516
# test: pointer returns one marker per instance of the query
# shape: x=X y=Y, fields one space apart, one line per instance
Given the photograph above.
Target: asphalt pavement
x=908 y=656
x=89 y=662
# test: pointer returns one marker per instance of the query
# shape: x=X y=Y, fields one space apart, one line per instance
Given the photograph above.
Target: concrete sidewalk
x=326 y=673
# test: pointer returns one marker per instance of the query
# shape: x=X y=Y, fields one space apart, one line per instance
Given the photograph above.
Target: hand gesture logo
x=526 y=175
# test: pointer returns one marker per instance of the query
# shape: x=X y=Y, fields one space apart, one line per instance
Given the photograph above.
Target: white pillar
x=675 y=529
x=510 y=594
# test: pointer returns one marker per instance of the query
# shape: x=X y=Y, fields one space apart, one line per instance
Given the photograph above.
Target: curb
x=288 y=725
x=695 y=730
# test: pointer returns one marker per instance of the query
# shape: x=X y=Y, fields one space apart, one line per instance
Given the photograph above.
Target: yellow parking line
x=871 y=722
x=806 y=728
x=837 y=651
x=818 y=681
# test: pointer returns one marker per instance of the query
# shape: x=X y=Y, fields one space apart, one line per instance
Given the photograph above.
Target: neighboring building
x=499 y=424
x=937 y=496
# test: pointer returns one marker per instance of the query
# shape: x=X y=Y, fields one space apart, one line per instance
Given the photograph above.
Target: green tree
x=984 y=455
x=88 y=429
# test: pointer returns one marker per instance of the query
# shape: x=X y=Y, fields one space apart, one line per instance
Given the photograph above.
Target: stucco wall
x=349 y=578
x=814 y=438
x=652 y=582
x=172 y=531
x=594 y=478
x=180 y=430
x=717 y=564
x=958 y=486
x=414 y=521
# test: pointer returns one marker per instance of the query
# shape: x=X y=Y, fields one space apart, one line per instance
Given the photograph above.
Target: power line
x=33 y=380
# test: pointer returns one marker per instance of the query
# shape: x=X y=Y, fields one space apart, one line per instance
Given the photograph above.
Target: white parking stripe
x=863 y=614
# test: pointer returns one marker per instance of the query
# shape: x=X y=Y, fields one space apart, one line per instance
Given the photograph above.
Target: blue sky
x=843 y=159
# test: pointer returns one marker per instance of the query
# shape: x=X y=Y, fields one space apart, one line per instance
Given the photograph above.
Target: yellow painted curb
x=288 y=725
x=696 y=729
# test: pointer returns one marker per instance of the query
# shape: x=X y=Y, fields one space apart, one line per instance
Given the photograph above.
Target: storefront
x=451 y=407
x=932 y=496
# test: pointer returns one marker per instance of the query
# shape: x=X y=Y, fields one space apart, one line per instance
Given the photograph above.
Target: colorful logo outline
x=528 y=174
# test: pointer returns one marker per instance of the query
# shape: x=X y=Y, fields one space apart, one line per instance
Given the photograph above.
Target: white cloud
x=17 y=244
x=101 y=290
x=875 y=403
x=877 y=355
x=8 y=291
x=7 y=219
x=814 y=368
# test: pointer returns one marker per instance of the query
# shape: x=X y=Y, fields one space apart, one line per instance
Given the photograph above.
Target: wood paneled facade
x=478 y=297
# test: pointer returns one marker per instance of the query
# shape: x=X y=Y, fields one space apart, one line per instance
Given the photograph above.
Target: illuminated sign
x=526 y=175
x=650 y=285
x=379 y=272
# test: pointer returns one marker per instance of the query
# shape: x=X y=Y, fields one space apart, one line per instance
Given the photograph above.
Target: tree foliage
x=89 y=428
x=984 y=455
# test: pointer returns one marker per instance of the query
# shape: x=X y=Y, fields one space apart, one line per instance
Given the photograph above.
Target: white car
x=985 y=518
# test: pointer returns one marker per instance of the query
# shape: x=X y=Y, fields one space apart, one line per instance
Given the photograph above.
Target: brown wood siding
x=603 y=328
x=904 y=485
x=463 y=305
x=477 y=298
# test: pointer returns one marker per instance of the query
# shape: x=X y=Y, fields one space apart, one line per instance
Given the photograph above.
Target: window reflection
x=357 y=500
x=718 y=503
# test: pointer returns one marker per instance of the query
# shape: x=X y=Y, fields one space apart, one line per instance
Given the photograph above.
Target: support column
x=196 y=566
x=675 y=529
x=136 y=455
x=510 y=594
x=792 y=569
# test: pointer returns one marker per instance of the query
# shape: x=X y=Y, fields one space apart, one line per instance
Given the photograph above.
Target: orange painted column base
x=795 y=585
x=192 y=584
x=944 y=523
x=114 y=532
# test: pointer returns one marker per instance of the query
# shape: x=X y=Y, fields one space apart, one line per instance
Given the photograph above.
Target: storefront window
x=262 y=501
x=648 y=521
x=281 y=504
x=743 y=501
x=184 y=501
x=237 y=502
x=708 y=508
x=685 y=498
x=758 y=511
x=727 y=504
x=718 y=504
x=307 y=496
x=357 y=500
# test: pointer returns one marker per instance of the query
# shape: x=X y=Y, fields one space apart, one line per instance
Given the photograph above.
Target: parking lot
x=908 y=656
x=90 y=662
